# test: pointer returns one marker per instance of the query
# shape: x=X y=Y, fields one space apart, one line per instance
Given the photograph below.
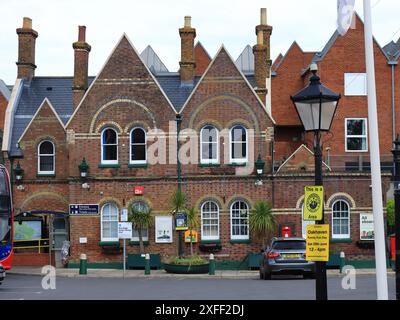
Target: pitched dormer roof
x=152 y=61
x=245 y=61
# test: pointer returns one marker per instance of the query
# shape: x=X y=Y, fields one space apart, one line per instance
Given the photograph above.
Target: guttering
x=393 y=64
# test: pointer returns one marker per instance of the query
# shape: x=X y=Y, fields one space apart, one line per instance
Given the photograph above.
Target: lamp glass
x=309 y=112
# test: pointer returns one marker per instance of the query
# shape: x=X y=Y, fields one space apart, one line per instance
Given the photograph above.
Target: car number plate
x=291 y=256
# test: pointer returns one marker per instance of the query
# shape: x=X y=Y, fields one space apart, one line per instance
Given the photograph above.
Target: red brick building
x=123 y=123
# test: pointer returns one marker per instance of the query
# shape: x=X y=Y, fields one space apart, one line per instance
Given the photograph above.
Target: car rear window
x=289 y=245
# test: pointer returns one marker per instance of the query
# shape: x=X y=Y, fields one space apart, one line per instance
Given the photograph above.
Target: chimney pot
x=188 y=21
x=263 y=17
x=82 y=34
x=260 y=38
x=27 y=23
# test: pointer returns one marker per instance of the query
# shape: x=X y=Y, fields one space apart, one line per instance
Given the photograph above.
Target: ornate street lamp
x=260 y=164
x=18 y=173
x=83 y=169
x=316 y=106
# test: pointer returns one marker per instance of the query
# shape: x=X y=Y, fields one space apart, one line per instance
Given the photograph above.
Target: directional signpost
x=124 y=232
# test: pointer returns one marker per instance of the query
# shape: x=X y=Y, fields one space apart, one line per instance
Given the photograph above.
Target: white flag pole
x=380 y=251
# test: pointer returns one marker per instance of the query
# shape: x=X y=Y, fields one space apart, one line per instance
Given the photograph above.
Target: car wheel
x=267 y=276
x=309 y=276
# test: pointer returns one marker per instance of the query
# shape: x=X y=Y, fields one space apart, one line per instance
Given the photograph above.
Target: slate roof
x=152 y=61
x=245 y=61
x=4 y=90
x=392 y=49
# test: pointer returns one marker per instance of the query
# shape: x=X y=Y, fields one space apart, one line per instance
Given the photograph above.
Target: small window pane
x=138 y=152
x=138 y=136
x=110 y=152
x=355 y=84
x=109 y=137
x=356 y=127
x=46 y=148
x=46 y=163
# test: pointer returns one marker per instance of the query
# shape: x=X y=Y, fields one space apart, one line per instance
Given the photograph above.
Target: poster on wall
x=28 y=230
x=163 y=229
x=366 y=226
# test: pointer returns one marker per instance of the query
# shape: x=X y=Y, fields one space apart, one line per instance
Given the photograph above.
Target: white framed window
x=356 y=134
x=238 y=144
x=109 y=222
x=109 y=146
x=355 y=84
x=304 y=223
x=138 y=149
x=46 y=157
x=340 y=220
x=210 y=221
x=209 y=144
x=142 y=206
x=240 y=220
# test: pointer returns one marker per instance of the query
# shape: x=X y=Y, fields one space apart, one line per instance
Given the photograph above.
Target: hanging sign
x=181 y=221
x=83 y=209
x=313 y=203
x=124 y=230
x=139 y=190
x=317 y=248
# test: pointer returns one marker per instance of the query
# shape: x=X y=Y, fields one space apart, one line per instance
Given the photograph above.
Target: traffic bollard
x=342 y=261
x=83 y=264
x=147 y=264
x=211 y=268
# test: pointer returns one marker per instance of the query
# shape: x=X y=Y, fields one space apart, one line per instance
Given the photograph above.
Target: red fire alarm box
x=139 y=190
x=286 y=231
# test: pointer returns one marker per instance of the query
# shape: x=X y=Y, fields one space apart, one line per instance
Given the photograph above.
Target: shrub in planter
x=192 y=265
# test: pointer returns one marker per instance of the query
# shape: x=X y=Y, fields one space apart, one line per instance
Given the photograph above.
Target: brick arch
x=213 y=198
x=341 y=196
x=37 y=201
x=211 y=122
x=248 y=108
x=105 y=200
x=239 y=197
x=135 y=124
x=117 y=101
x=139 y=199
x=111 y=124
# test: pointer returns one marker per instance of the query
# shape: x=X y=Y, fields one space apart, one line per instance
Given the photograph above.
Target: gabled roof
x=4 y=90
x=277 y=61
x=152 y=61
x=46 y=102
x=392 y=49
x=202 y=59
x=245 y=61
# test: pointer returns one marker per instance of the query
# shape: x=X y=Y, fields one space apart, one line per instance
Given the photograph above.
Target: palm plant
x=262 y=222
x=141 y=218
x=193 y=223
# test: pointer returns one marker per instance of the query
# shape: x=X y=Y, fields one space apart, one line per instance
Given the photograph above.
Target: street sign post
x=124 y=232
x=313 y=203
x=181 y=221
x=317 y=242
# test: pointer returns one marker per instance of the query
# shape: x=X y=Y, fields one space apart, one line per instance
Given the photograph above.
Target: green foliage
x=140 y=218
x=178 y=201
x=193 y=218
x=390 y=213
x=192 y=261
x=262 y=221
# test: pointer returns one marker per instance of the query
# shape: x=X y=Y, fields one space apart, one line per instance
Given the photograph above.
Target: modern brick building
x=231 y=111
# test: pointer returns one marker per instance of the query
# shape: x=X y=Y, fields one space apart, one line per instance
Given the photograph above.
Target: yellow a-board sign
x=313 y=203
x=317 y=242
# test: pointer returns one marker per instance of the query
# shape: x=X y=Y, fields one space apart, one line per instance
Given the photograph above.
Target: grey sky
x=156 y=22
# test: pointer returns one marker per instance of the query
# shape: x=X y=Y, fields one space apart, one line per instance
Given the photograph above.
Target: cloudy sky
x=156 y=22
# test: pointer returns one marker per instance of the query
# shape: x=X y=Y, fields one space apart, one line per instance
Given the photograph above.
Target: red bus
x=6 y=219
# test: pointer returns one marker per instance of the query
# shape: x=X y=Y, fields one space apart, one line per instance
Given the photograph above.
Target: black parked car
x=286 y=255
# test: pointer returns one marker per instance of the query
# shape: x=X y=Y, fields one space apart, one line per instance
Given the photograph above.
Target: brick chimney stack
x=26 y=50
x=187 y=63
x=81 y=66
x=262 y=55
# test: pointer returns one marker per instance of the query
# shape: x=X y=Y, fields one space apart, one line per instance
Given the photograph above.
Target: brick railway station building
x=52 y=124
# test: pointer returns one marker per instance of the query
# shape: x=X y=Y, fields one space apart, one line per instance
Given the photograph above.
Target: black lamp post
x=259 y=164
x=83 y=169
x=18 y=173
x=396 y=181
x=316 y=106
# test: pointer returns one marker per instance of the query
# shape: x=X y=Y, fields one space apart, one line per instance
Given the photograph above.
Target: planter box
x=186 y=269
x=136 y=261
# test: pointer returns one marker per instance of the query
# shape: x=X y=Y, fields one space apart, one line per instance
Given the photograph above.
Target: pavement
x=114 y=273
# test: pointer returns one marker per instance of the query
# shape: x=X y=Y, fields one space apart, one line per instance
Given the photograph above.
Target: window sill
x=52 y=175
x=104 y=166
x=241 y=241
x=235 y=164
x=345 y=240
x=209 y=165
x=136 y=243
x=138 y=165
x=109 y=244
x=210 y=242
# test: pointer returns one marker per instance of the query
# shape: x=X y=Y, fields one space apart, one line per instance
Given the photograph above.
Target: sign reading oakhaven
x=317 y=242
x=84 y=209
x=313 y=203
x=366 y=226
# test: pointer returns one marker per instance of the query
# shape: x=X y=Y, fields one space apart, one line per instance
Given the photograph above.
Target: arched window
x=46 y=157
x=240 y=220
x=109 y=146
x=340 y=220
x=238 y=144
x=138 y=146
x=210 y=221
x=304 y=223
x=142 y=206
x=209 y=145
x=109 y=222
